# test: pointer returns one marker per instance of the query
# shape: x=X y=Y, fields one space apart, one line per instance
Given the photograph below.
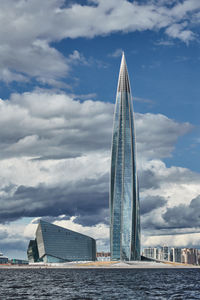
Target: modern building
x=17 y=261
x=151 y=252
x=124 y=193
x=103 y=256
x=175 y=255
x=3 y=259
x=32 y=252
x=57 y=244
x=189 y=256
x=165 y=253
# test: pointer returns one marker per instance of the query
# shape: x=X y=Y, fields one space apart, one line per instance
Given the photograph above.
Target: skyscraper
x=124 y=194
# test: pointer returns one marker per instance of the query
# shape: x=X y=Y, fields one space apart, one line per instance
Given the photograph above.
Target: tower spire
x=123 y=82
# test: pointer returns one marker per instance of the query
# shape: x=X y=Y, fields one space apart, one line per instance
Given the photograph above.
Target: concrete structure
x=57 y=244
x=124 y=193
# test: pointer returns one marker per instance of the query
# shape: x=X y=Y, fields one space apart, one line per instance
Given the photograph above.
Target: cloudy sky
x=59 y=64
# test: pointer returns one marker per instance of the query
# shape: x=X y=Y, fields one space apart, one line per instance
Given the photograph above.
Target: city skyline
x=124 y=189
x=59 y=65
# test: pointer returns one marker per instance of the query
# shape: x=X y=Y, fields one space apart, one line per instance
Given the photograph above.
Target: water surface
x=99 y=284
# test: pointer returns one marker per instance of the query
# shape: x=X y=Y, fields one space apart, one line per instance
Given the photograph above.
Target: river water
x=100 y=284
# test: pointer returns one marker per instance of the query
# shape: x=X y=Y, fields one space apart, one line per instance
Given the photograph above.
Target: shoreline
x=103 y=265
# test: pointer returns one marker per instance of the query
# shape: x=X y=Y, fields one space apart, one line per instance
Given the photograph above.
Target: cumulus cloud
x=52 y=126
x=183 y=240
x=150 y=203
x=155 y=175
x=49 y=125
x=13 y=240
x=164 y=132
x=27 y=33
x=56 y=157
x=183 y=215
x=87 y=199
x=55 y=160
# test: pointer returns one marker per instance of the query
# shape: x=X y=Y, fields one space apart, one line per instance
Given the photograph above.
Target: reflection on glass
x=124 y=194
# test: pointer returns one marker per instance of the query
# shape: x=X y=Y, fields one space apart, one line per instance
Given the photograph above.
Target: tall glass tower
x=124 y=194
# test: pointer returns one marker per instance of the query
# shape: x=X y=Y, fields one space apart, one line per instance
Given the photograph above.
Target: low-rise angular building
x=57 y=244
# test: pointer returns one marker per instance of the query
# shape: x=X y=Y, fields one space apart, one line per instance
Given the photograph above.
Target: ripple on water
x=155 y=284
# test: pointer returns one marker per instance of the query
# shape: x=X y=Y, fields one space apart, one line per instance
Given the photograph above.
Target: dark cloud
x=101 y=216
x=62 y=146
x=10 y=241
x=50 y=219
x=150 y=203
x=148 y=179
x=13 y=244
x=183 y=216
x=87 y=201
x=156 y=175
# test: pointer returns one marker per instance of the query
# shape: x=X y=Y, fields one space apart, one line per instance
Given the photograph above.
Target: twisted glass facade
x=124 y=194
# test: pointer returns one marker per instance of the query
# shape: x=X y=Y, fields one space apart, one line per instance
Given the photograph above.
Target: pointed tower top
x=123 y=82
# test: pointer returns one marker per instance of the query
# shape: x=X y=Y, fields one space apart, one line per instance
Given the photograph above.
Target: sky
x=59 y=65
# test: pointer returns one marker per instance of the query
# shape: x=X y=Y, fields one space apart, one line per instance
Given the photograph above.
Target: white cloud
x=49 y=125
x=178 y=31
x=157 y=134
x=116 y=53
x=182 y=240
x=27 y=32
x=55 y=159
x=77 y=58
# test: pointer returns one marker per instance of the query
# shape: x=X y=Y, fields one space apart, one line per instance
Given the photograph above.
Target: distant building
x=3 y=259
x=189 y=256
x=159 y=253
x=151 y=252
x=16 y=261
x=165 y=253
x=57 y=244
x=175 y=255
x=198 y=257
x=103 y=256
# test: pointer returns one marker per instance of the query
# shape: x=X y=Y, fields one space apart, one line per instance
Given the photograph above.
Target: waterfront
x=100 y=283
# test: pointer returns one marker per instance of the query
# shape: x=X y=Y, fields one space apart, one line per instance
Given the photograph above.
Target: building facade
x=190 y=256
x=165 y=253
x=151 y=252
x=57 y=244
x=175 y=255
x=103 y=256
x=124 y=193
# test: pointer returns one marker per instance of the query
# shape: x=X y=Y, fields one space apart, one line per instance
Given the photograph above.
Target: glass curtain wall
x=124 y=193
